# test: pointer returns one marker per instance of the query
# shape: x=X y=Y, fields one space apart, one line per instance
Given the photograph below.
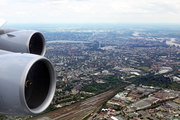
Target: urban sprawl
x=143 y=65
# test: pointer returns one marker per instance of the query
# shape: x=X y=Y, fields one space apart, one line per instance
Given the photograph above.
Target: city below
x=112 y=72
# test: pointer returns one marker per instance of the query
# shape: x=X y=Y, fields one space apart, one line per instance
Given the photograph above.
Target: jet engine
x=24 y=41
x=27 y=81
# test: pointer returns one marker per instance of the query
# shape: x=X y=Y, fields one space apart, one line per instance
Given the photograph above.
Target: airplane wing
x=2 y=22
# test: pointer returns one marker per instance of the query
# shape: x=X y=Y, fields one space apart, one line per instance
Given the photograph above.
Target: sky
x=90 y=11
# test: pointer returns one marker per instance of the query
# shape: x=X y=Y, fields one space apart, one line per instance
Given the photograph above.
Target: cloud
x=87 y=10
x=21 y=13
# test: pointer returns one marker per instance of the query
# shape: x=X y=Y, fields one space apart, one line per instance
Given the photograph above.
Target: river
x=67 y=41
x=171 y=42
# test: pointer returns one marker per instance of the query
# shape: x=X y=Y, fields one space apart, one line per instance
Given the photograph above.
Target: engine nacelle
x=27 y=83
x=24 y=41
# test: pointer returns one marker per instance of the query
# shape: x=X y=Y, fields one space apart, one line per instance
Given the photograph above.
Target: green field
x=144 y=68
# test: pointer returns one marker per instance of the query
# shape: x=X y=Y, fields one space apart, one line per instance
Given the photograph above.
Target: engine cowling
x=24 y=41
x=27 y=83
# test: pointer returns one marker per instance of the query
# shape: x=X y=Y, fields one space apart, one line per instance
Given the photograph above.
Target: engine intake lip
x=49 y=94
x=36 y=44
